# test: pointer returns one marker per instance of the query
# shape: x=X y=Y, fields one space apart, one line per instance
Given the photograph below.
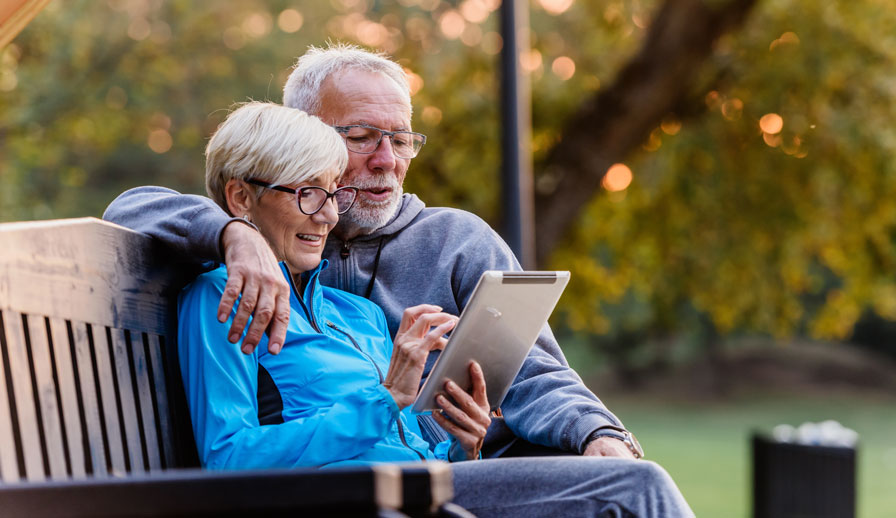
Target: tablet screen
x=497 y=328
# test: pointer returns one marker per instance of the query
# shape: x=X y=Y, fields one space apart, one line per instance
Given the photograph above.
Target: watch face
x=635 y=446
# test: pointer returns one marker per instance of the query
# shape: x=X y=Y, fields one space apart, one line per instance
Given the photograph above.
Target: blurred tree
x=764 y=200
x=759 y=196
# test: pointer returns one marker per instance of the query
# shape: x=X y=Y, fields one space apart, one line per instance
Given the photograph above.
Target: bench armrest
x=356 y=491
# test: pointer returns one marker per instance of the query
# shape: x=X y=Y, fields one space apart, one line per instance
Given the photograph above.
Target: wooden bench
x=93 y=421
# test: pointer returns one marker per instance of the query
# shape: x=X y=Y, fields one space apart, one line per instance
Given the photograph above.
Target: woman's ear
x=240 y=198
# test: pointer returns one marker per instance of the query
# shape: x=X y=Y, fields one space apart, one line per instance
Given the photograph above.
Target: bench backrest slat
x=60 y=339
x=21 y=398
x=87 y=395
x=9 y=468
x=85 y=377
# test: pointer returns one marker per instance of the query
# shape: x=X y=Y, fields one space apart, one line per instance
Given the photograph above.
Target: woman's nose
x=328 y=214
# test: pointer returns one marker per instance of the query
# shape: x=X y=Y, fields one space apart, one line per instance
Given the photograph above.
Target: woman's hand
x=420 y=332
x=469 y=416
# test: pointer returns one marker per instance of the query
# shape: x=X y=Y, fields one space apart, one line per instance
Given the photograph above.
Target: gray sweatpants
x=567 y=486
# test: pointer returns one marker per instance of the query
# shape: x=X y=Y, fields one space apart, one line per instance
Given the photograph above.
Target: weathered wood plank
x=47 y=404
x=127 y=401
x=23 y=396
x=9 y=465
x=68 y=395
x=142 y=381
x=164 y=416
x=90 y=398
x=106 y=376
x=86 y=270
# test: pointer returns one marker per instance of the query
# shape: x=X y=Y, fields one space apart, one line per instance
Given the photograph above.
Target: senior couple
x=346 y=340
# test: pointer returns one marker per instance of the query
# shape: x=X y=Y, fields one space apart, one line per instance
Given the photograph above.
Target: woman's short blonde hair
x=273 y=143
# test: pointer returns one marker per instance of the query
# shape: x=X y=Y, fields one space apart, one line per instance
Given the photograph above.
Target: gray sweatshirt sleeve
x=190 y=225
x=548 y=403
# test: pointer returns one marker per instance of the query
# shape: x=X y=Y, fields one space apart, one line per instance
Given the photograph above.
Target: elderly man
x=398 y=253
x=389 y=248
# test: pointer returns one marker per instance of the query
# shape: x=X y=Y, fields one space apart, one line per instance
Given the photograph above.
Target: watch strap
x=620 y=433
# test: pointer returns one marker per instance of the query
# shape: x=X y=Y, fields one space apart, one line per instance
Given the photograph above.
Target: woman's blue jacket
x=320 y=402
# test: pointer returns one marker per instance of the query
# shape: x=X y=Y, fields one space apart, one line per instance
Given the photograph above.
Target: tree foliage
x=761 y=196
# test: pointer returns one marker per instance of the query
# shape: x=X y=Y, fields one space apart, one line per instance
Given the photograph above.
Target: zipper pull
x=346 y=246
x=331 y=325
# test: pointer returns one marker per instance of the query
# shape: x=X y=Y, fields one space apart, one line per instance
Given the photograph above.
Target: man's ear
x=240 y=198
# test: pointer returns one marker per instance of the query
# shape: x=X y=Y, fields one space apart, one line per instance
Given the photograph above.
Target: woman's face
x=295 y=237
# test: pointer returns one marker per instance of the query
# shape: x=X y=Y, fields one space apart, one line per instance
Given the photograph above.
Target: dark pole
x=516 y=167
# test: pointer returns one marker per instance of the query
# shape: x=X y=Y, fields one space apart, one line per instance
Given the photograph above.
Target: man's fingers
x=232 y=290
x=261 y=317
x=243 y=311
x=279 y=324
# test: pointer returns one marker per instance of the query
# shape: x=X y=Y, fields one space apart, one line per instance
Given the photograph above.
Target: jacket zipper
x=379 y=373
x=301 y=300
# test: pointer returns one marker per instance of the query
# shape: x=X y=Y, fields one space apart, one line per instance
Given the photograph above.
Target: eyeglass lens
x=312 y=199
x=405 y=144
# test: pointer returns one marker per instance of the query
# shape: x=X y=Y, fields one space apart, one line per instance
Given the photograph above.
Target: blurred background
x=725 y=168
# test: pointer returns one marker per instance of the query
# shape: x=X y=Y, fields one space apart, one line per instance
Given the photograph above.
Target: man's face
x=360 y=97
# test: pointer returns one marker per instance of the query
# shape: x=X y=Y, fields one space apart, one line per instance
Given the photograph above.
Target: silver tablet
x=497 y=328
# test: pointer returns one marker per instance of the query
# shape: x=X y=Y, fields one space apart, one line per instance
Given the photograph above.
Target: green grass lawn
x=705 y=447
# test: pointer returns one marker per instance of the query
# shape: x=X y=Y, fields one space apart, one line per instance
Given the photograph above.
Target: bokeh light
x=159 y=141
x=530 y=60
x=290 y=20
x=618 y=178
x=474 y=11
x=492 y=43
x=555 y=7
x=257 y=24
x=452 y=24
x=563 y=67
x=670 y=125
x=771 y=123
x=732 y=109
x=431 y=115
x=415 y=82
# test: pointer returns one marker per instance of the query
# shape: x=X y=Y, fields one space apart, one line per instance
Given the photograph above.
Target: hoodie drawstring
x=376 y=267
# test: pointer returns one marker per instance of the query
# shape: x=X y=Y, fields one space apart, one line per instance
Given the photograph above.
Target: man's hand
x=469 y=416
x=253 y=272
x=608 y=447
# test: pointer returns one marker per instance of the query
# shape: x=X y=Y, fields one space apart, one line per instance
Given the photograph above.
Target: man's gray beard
x=368 y=217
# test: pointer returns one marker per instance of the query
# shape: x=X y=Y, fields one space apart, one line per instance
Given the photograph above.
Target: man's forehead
x=361 y=94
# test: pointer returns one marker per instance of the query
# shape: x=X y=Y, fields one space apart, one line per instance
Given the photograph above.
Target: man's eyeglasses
x=365 y=139
x=311 y=199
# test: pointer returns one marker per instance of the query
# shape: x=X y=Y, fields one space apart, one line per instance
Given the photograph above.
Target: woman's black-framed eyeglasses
x=311 y=199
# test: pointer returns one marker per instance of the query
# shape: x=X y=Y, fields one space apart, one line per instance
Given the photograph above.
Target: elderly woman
x=339 y=390
x=336 y=393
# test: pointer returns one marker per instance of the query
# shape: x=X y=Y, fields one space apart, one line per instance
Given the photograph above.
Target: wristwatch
x=620 y=433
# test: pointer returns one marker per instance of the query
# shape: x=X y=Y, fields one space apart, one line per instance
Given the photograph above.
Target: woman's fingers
x=425 y=322
x=435 y=338
x=479 y=393
x=411 y=315
x=468 y=405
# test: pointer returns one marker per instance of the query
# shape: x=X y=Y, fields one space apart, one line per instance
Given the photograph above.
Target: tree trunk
x=616 y=120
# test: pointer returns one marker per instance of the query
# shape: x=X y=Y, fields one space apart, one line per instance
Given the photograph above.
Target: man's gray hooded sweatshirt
x=421 y=256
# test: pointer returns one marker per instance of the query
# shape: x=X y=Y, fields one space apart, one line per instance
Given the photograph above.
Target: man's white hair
x=272 y=143
x=302 y=89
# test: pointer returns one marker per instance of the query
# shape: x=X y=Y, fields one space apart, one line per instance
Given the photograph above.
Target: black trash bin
x=802 y=481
